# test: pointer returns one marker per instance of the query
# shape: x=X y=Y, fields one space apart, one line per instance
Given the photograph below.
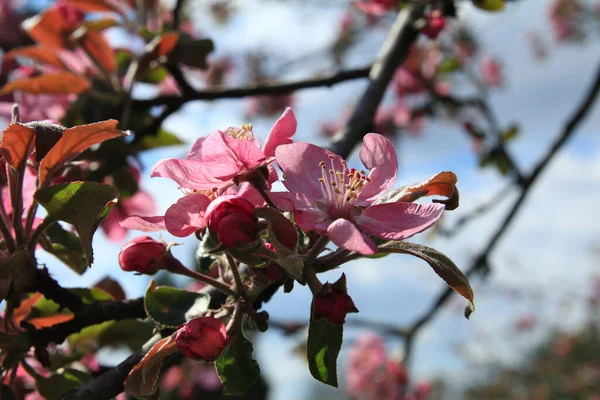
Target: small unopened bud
x=232 y=219
x=202 y=338
x=332 y=302
x=143 y=255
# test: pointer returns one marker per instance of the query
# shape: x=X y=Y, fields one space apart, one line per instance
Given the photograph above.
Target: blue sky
x=550 y=242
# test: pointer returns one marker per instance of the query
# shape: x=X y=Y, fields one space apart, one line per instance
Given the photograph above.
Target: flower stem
x=239 y=286
x=317 y=248
x=175 y=266
x=236 y=319
x=311 y=279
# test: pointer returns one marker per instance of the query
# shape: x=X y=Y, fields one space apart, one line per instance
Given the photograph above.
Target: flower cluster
x=227 y=175
x=373 y=374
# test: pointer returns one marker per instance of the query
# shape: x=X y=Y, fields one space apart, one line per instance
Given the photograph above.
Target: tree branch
x=177 y=14
x=110 y=383
x=480 y=262
x=256 y=90
x=91 y=314
x=392 y=54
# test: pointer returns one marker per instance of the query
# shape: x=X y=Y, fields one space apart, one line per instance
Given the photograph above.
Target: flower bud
x=272 y=271
x=434 y=24
x=333 y=307
x=202 y=338
x=232 y=219
x=142 y=255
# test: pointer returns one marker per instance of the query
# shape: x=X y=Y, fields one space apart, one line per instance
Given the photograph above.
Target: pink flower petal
x=196 y=151
x=224 y=156
x=312 y=219
x=301 y=171
x=398 y=221
x=187 y=215
x=281 y=133
x=144 y=224
x=141 y=203
x=344 y=234
x=378 y=155
x=189 y=174
x=111 y=225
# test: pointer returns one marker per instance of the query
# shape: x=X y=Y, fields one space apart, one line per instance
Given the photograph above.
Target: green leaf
x=205 y=260
x=82 y=204
x=323 y=346
x=192 y=52
x=511 y=133
x=489 y=5
x=162 y=138
x=168 y=306
x=442 y=265
x=154 y=75
x=55 y=385
x=449 y=65
x=128 y=332
x=236 y=367
x=65 y=246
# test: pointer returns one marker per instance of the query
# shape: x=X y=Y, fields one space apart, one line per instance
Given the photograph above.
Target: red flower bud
x=333 y=306
x=72 y=16
x=272 y=271
x=434 y=24
x=142 y=255
x=202 y=338
x=232 y=219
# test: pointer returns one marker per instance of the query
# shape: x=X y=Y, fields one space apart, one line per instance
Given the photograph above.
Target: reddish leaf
x=50 y=28
x=41 y=54
x=166 y=43
x=442 y=184
x=442 y=265
x=21 y=312
x=17 y=144
x=94 y=5
x=143 y=378
x=54 y=83
x=96 y=46
x=72 y=143
x=50 y=320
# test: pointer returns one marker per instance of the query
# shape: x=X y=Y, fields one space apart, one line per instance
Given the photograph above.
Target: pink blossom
x=214 y=164
x=376 y=8
x=35 y=107
x=434 y=24
x=491 y=72
x=370 y=373
x=564 y=19
x=332 y=199
x=268 y=105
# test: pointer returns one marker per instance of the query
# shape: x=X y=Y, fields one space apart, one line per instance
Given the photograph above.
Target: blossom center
x=243 y=133
x=341 y=188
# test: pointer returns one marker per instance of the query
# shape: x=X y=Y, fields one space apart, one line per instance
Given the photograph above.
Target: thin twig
x=257 y=90
x=177 y=14
x=392 y=55
x=91 y=314
x=110 y=383
x=239 y=285
x=479 y=211
x=480 y=262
